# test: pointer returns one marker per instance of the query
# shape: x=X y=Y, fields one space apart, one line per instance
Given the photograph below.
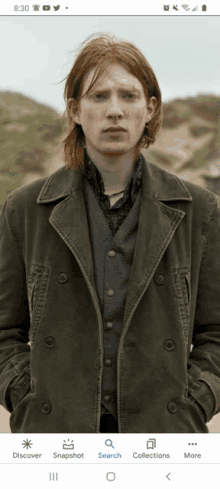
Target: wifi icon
x=185 y=7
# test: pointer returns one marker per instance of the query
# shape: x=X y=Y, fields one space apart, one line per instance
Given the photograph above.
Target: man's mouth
x=115 y=129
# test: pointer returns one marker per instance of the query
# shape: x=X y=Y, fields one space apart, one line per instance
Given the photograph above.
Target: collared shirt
x=116 y=214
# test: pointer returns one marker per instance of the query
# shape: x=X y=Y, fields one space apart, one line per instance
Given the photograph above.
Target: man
x=110 y=272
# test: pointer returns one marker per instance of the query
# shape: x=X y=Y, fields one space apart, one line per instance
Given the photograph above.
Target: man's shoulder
x=167 y=178
x=30 y=189
x=29 y=192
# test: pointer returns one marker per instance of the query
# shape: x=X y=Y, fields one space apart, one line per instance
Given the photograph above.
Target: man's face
x=116 y=99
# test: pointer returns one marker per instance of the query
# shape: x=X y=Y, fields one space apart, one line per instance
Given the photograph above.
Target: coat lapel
x=69 y=217
x=157 y=224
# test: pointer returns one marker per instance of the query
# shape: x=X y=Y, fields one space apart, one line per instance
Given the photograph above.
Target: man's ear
x=74 y=111
x=151 y=108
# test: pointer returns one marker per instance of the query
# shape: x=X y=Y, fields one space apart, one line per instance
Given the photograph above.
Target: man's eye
x=102 y=96
x=130 y=96
x=98 y=96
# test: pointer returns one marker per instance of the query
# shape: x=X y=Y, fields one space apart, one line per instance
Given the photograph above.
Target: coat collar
x=158 y=183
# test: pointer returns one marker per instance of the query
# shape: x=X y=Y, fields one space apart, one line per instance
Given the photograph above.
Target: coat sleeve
x=204 y=359
x=14 y=313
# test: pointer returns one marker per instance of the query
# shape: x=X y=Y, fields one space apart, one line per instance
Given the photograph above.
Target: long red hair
x=99 y=53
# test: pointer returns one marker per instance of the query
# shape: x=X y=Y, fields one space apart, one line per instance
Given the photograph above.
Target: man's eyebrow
x=124 y=90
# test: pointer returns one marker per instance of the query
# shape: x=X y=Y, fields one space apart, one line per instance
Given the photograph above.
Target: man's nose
x=114 y=107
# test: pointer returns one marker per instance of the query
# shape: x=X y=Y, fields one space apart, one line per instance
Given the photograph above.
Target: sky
x=37 y=52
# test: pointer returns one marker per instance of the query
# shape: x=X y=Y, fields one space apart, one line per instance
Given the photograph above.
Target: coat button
x=106 y=398
x=159 y=279
x=108 y=362
x=109 y=325
x=49 y=341
x=172 y=407
x=46 y=407
x=169 y=345
x=110 y=292
x=111 y=253
x=63 y=277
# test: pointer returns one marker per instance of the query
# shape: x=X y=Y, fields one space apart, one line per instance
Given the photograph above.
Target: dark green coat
x=51 y=352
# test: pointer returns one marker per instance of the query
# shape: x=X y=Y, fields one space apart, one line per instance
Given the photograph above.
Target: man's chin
x=114 y=152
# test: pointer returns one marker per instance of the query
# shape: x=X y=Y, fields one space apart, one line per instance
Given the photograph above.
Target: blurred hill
x=188 y=144
x=28 y=136
x=31 y=136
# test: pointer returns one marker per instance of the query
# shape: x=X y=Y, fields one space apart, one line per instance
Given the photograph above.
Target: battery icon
x=204 y=8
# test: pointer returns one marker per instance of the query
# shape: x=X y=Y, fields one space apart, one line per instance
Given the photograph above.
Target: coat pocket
x=183 y=292
x=21 y=388
x=196 y=406
x=37 y=285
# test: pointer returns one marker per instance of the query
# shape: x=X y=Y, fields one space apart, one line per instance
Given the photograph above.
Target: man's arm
x=204 y=360
x=14 y=313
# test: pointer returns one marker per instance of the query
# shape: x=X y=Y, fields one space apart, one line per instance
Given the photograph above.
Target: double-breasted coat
x=51 y=351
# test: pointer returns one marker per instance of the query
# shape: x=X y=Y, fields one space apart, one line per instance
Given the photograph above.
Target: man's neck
x=116 y=171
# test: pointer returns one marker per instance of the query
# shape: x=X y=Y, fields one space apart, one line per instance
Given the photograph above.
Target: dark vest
x=112 y=260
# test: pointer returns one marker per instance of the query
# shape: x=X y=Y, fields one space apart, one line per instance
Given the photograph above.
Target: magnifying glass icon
x=109 y=443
